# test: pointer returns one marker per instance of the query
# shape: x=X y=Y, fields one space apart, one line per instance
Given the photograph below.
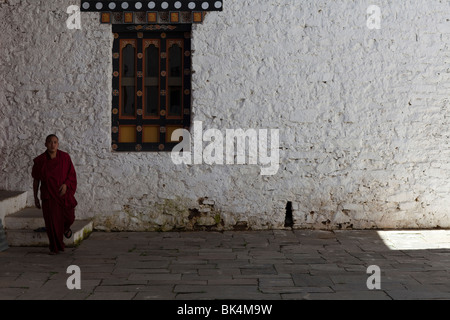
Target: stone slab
x=11 y=201
x=30 y=238
x=28 y=218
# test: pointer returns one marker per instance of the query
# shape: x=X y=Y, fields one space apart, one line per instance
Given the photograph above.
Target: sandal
x=68 y=233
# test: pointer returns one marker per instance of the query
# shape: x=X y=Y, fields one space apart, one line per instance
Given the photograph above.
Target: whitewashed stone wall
x=363 y=115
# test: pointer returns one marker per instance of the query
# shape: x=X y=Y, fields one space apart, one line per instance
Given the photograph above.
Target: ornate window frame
x=135 y=23
x=143 y=131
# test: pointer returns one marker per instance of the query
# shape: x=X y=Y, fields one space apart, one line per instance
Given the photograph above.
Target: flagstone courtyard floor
x=250 y=265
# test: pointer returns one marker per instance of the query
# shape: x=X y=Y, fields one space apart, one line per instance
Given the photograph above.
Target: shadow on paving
x=250 y=265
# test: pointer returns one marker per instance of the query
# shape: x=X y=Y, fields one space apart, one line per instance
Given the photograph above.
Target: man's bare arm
x=35 y=191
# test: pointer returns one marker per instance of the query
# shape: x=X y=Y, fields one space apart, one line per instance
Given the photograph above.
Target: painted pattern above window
x=157 y=5
x=152 y=12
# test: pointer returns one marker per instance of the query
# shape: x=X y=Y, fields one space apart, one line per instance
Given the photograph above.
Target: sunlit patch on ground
x=416 y=239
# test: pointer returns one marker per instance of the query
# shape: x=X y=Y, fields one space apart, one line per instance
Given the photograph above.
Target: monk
x=54 y=172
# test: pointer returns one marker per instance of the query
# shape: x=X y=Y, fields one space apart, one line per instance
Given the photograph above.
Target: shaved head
x=50 y=136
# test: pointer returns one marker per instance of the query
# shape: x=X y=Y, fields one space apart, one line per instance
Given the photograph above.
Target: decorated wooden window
x=151 y=87
x=151 y=92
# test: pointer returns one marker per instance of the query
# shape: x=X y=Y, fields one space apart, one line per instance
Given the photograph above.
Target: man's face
x=52 y=144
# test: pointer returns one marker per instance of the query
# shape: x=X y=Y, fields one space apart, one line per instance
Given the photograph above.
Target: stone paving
x=262 y=265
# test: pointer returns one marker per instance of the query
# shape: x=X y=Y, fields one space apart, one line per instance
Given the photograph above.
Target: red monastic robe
x=59 y=212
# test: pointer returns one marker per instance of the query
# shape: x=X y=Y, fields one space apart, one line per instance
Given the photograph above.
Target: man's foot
x=52 y=253
x=68 y=233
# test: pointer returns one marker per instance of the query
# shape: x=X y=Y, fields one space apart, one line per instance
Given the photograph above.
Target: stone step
x=20 y=226
x=11 y=202
x=30 y=238
x=29 y=218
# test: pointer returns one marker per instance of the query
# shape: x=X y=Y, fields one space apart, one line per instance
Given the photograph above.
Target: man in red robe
x=54 y=172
